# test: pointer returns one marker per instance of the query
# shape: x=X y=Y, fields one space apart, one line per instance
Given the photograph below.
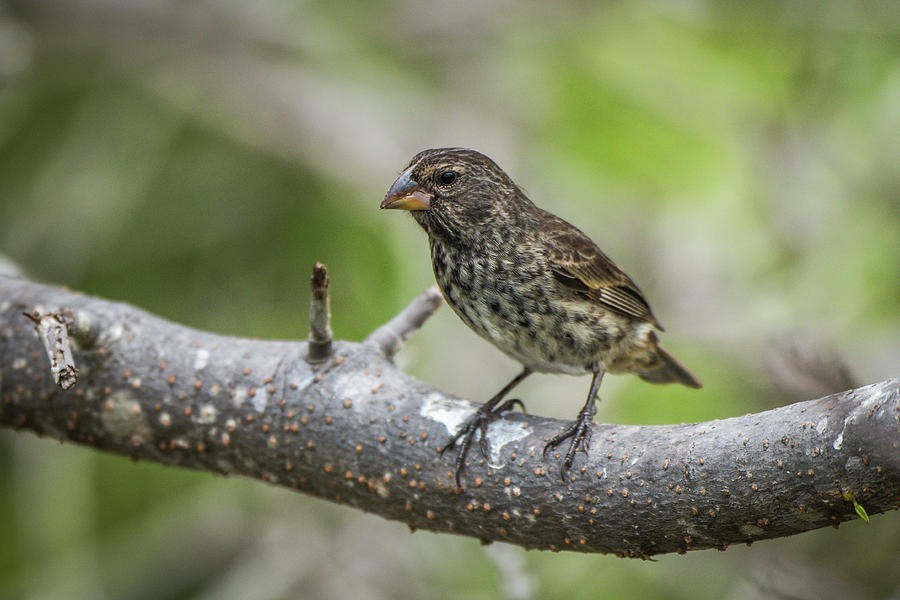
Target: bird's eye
x=448 y=177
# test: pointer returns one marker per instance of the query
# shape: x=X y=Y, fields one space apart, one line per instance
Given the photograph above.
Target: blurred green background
x=740 y=160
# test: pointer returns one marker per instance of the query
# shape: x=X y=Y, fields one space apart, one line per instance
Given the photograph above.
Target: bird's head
x=451 y=191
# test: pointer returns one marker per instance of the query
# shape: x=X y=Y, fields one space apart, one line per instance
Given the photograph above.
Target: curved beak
x=405 y=194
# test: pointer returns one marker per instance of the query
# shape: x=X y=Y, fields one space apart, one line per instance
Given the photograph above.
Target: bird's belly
x=520 y=311
x=570 y=340
x=535 y=339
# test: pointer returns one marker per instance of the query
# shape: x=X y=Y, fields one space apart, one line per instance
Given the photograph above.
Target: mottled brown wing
x=579 y=264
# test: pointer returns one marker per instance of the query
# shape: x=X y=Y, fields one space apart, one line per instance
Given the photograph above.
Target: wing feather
x=579 y=264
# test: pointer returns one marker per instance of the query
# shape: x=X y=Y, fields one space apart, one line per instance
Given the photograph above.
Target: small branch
x=389 y=337
x=53 y=331
x=319 y=316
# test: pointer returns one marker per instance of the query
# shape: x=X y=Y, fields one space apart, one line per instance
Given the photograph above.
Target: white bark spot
x=113 y=333
x=207 y=414
x=201 y=359
x=501 y=433
x=238 y=395
x=381 y=489
x=451 y=413
x=124 y=420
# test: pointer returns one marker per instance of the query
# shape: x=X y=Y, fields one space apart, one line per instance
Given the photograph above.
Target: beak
x=406 y=194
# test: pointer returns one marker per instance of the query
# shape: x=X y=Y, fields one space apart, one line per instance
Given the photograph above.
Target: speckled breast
x=513 y=301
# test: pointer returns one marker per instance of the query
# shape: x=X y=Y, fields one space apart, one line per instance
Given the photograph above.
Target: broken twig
x=53 y=331
x=319 y=316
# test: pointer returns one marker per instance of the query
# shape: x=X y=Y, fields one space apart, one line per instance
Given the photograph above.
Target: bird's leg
x=580 y=430
x=486 y=413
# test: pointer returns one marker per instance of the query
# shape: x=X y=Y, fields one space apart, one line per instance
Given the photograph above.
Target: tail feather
x=667 y=369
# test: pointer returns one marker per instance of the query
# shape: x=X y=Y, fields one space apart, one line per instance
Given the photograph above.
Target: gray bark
x=355 y=429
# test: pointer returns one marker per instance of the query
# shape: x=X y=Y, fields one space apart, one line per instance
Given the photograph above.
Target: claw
x=482 y=441
x=509 y=405
x=478 y=422
x=580 y=432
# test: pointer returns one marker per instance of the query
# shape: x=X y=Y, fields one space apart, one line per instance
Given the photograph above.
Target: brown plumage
x=530 y=283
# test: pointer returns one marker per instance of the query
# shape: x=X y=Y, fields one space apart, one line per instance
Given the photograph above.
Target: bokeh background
x=740 y=160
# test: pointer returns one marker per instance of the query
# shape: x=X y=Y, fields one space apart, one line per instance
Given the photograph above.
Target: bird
x=530 y=283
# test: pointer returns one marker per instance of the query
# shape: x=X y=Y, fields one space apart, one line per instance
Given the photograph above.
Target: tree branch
x=389 y=337
x=363 y=433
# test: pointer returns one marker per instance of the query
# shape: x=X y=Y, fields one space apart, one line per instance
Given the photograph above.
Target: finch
x=530 y=283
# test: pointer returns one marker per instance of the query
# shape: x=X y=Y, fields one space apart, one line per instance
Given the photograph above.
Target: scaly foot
x=477 y=422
